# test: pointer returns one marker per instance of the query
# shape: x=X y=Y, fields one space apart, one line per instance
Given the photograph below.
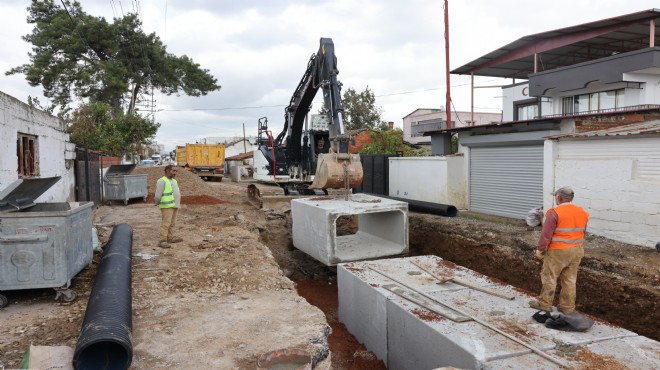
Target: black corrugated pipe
x=425 y=207
x=105 y=336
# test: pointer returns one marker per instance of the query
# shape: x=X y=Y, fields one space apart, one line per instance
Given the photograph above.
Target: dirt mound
x=189 y=183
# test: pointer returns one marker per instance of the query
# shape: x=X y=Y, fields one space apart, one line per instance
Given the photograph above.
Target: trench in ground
x=598 y=294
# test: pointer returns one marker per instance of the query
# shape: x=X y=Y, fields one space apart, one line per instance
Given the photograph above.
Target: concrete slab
x=407 y=336
x=382 y=228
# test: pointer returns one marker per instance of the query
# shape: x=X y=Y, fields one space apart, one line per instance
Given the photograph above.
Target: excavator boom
x=298 y=153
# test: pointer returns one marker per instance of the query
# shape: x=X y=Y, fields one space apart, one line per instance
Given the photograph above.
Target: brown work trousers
x=560 y=264
x=168 y=221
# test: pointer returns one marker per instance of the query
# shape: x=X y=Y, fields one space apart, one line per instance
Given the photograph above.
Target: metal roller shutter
x=506 y=180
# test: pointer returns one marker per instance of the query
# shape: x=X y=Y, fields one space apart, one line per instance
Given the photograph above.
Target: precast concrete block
x=382 y=228
x=500 y=334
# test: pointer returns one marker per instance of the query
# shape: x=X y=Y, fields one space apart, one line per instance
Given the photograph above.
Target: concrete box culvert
x=382 y=228
x=407 y=335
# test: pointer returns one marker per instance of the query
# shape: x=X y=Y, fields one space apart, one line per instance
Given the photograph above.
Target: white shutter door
x=506 y=180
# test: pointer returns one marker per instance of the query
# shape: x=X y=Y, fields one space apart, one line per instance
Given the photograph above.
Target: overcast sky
x=258 y=51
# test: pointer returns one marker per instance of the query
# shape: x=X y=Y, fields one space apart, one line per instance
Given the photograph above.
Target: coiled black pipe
x=425 y=207
x=105 y=336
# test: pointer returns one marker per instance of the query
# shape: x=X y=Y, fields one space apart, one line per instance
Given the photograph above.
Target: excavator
x=307 y=159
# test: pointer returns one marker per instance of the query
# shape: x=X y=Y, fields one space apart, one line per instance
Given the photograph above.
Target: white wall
x=56 y=155
x=617 y=180
x=510 y=95
x=647 y=93
x=237 y=148
x=429 y=179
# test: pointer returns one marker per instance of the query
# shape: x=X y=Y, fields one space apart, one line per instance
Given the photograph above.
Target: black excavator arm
x=321 y=73
x=335 y=168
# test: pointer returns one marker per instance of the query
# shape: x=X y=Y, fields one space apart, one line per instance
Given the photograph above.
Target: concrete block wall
x=615 y=182
x=429 y=179
x=55 y=152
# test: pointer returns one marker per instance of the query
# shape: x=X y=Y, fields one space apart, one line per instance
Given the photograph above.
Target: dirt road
x=217 y=300
x=235 y=288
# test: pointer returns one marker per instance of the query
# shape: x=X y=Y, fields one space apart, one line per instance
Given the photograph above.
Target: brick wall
x=606 y=122
x=107 y=161
x=360 y=139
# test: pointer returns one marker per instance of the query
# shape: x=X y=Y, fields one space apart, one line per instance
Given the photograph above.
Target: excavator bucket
x=337 y=171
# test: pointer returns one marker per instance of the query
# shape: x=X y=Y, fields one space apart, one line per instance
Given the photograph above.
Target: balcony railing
x=631 y=108
x=420 y=129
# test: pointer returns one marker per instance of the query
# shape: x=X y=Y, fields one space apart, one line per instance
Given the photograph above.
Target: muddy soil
x=235 y=288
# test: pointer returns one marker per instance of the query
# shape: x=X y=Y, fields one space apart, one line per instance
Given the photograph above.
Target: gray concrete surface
x=407 y=336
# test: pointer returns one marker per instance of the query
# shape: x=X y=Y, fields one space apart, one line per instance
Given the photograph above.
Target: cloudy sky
x=258 y=51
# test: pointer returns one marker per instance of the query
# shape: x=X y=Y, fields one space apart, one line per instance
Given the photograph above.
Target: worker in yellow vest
x=560 y=248
x=168 y=198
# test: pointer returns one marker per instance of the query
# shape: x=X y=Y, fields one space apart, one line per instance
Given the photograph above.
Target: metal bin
x=42 y=245
x=119 y=184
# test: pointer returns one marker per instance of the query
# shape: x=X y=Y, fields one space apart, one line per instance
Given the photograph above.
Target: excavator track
x=273 y=196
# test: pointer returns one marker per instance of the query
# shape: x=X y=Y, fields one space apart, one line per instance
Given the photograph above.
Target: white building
x=422 y=120
x=583 y=111
x=35 y=144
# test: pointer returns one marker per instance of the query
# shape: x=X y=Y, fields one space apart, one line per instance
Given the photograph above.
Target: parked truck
x=205 y=160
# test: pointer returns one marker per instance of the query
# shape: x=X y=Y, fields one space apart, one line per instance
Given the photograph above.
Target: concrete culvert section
x=616 y=282
x=414 y=320
x=381 y=230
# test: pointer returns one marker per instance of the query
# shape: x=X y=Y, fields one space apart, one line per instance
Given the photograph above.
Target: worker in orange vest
x=560 y=248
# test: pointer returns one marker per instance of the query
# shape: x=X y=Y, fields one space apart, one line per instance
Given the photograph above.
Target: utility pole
x=244 y=146
x=448 y=100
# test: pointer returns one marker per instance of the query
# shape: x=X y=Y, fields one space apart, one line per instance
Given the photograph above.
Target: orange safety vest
x=571 y=227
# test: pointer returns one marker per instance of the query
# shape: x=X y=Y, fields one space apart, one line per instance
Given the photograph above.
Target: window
x=567 y=106
x=609 y=99
x=604 y=100
x=527 y=111
x=28 y=158
x=581 y=103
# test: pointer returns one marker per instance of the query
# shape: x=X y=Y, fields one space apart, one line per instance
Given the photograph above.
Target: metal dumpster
x=42 y=245
x=119 y=184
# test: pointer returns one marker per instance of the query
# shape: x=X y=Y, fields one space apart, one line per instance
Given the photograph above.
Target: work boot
x=535 y=304
x=164 y=244
x=175 y=239
x=565 y=312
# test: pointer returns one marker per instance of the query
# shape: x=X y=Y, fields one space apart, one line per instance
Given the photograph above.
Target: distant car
x=147 y=163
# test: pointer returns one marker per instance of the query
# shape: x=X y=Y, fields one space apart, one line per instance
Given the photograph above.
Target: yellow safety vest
x=167 y=199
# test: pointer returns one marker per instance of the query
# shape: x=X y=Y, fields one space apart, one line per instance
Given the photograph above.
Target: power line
x=455 y=112
x=75 y=26
x=225 y=108
x=283 y=105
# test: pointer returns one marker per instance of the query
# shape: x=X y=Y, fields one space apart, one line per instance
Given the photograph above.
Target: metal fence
x=376 y=174
x=88 y=180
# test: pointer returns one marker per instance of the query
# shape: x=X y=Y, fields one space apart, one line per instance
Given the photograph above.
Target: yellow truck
x=206 y=160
